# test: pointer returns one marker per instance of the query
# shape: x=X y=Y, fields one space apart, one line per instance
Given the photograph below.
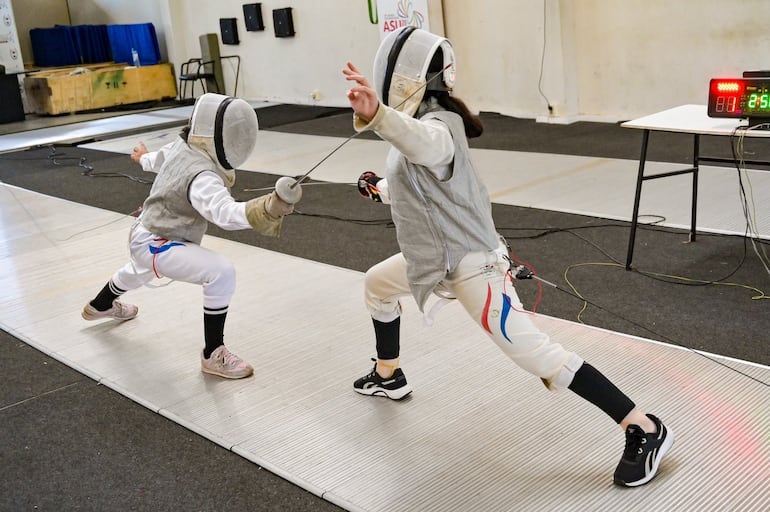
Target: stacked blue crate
x=140 y=37
x=64 y=45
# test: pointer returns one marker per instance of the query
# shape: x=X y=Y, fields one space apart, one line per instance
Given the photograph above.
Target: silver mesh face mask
x=225 y=128
x=401 y=67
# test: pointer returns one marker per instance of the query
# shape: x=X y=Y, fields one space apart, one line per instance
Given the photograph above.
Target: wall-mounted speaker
x=229 y=30
x=283 y=22
x=252 y=16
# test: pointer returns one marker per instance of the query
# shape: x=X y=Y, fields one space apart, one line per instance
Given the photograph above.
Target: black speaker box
x=11 y=108
x=229 y=30
x=283 y=23
x=252 y=16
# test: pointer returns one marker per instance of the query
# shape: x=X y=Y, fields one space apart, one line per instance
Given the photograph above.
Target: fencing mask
x=225 y=128
x=402 y=66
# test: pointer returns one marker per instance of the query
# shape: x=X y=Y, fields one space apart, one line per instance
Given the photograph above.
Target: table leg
x=695 y=158
x=637 y=197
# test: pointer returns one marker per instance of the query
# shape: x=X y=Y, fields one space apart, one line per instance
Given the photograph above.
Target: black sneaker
x=642 y=454
x=394 y=387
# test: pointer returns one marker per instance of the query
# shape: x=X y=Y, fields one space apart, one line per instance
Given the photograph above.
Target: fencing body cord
x=522 y=272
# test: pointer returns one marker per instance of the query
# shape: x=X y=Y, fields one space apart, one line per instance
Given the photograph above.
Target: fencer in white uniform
x=449 y=245
x=191 y=189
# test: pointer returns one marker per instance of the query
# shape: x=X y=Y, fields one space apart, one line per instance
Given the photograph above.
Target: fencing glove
x=266 y=213
x=277 y=207
x=367 y=186
x=260 y=218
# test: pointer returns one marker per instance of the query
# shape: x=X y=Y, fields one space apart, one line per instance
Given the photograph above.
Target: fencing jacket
x=167 y=211
x=437 y=221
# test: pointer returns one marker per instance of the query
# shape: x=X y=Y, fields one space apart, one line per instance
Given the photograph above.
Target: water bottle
x=135 y=56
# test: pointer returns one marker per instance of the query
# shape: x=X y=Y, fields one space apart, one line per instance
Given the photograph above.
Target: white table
x=691 y=119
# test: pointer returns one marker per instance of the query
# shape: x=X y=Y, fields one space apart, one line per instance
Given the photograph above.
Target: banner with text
x=394 y=14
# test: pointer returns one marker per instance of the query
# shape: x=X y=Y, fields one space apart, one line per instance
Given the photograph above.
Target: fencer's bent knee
x=380 y=298
x=536 y=354
x=131 y=277
x=220 y=281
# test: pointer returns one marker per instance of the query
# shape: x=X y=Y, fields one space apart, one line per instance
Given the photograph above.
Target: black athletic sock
x=387 y=336
x=213 y=331
x=109 y=293
x=592 y=385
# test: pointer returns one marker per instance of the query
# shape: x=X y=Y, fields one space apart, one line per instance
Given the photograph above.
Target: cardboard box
x=77 y=89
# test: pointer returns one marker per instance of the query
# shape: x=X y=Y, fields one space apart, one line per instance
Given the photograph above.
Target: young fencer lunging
x=449 y=244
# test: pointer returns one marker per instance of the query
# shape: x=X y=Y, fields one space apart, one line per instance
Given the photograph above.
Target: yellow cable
x=760 y=294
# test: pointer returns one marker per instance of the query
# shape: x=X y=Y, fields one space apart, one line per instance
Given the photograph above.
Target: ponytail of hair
x=474 y=127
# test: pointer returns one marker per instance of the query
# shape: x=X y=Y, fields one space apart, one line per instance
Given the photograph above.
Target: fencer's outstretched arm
x=427 y=143
x=212 y=199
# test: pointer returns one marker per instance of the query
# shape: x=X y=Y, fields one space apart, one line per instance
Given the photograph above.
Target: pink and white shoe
x=118 y=311
x=224 y=363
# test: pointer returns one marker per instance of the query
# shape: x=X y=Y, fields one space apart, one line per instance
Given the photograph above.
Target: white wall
x=283 y=69
x=640 y=56
x=604 y=60
x=499 y=49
